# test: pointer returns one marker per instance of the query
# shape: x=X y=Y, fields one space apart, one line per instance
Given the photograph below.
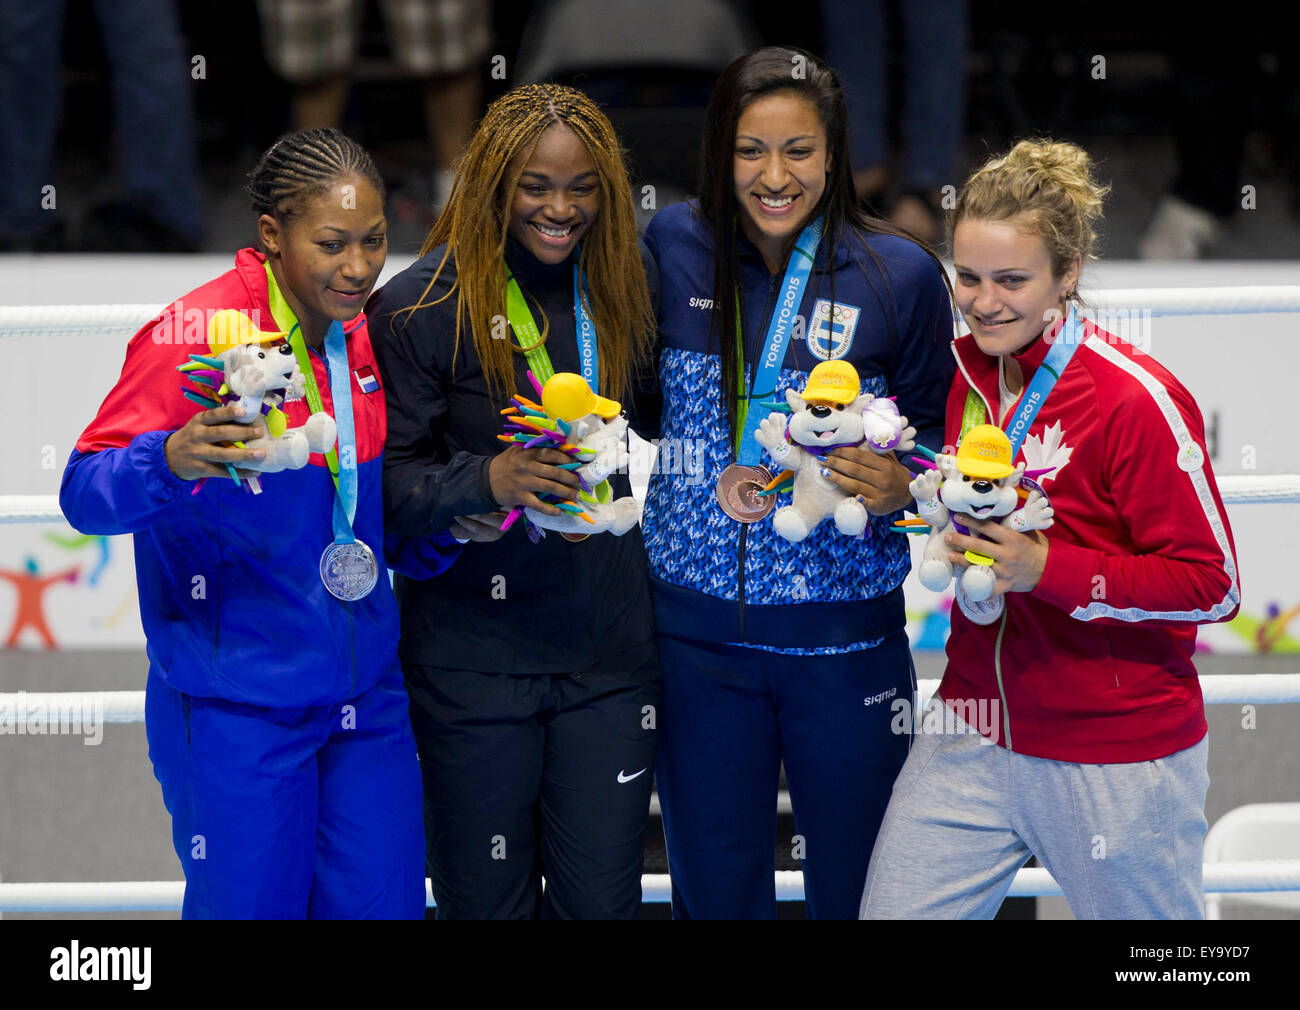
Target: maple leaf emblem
x=1050 y=453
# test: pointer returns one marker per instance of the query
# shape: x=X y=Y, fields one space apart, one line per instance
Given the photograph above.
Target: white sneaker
x=1179 y=231
x=983 y=612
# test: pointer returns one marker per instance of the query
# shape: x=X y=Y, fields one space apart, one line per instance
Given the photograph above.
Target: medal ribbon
x=342 y=465
x=530 y=337
x=1062 y=351
x=345 y=502
x=768 y=367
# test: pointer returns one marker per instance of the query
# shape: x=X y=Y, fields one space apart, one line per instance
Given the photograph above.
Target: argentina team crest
x=830 y=334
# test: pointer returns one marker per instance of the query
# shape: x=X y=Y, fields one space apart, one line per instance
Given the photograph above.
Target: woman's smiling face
x=557 y=198
x=779 y=169
x=330 y=251
x=1005 y=288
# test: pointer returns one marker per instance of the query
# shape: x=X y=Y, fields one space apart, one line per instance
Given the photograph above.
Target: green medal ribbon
x=530 y=336
x=526 y=331
x=282 y=313
x=742 y=392
x=973 y=414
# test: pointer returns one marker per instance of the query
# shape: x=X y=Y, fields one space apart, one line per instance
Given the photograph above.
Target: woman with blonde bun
x=1069 y=724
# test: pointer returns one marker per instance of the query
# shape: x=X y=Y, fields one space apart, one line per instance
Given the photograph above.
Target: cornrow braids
x=306 y=162
x=475 y=222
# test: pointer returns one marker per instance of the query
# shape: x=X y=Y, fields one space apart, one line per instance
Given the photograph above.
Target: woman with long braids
x=275 y=710
x=532 y=667
x=776 y=651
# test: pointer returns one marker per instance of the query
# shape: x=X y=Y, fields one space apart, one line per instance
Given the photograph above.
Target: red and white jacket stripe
x=1095 y=665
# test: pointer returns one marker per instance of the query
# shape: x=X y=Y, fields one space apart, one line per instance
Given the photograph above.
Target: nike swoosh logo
x=629 y=778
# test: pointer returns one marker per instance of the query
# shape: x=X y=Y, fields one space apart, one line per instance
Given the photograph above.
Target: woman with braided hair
x=532 y=667
x=275 y=711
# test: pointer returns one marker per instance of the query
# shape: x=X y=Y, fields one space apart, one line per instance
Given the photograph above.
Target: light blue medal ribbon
x=348 y=568
x=1063 y=348
x=768 y=367
x=345 y=502
x=588 y=355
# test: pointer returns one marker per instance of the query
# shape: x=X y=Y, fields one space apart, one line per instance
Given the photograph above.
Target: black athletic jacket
x=511 y=606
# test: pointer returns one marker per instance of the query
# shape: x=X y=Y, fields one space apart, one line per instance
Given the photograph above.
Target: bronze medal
x=575 y=538
x=738 y=493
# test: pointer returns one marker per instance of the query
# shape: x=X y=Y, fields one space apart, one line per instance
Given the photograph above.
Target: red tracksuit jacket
x=230 y=592
x=1095 y=665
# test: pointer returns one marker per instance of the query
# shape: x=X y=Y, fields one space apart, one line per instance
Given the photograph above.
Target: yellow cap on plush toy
x=229 y=328
x=832 y=382
x=567 y=396
x=985 y=453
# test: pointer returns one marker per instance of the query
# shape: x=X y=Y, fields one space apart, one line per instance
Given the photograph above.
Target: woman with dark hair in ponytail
x=781 y=649
x=275 y=710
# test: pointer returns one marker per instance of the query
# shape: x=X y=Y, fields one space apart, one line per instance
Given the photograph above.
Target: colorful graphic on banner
x=30 y=612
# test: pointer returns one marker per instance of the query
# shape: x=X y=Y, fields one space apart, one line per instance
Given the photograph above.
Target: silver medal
x=349 y=571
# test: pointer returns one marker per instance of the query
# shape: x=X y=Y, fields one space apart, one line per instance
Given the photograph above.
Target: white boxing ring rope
x=68 y=708
x=128 y=706
x=125 y=320
x=1279 y=488
x=167 y=895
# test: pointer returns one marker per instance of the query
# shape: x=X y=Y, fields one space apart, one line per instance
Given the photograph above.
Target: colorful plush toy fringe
x=527 y=425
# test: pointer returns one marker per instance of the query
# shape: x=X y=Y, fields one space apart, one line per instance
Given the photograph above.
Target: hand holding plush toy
x=829 y=414
x=592 y=431
x=979 y=482
x=257 y=370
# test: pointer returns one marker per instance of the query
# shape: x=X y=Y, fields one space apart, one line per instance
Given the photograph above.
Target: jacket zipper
x=970 y=384
x=744 y=527
x=1002 y=626
x=997 y=669
x=352 y=647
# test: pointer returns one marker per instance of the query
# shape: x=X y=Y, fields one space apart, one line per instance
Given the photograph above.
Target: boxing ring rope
x=77 y=320
x=167 y=895
x=69 y=709
x=1279 y=488
x=66 y=709
x=1243 y=299
x=125 y=320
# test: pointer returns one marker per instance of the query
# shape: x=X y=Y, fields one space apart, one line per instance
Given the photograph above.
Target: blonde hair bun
x=1049 y=184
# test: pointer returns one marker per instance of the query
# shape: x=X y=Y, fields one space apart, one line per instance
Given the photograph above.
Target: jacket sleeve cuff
x=1067 y=580
x=159 y=479
x=418 y=558
x=485 y=486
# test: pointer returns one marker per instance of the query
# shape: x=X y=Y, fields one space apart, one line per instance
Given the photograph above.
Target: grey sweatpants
x=1124 y=841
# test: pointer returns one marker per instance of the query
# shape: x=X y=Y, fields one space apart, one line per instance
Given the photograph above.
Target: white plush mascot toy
x=257 y=369
x=830 y=413
x=980 y=482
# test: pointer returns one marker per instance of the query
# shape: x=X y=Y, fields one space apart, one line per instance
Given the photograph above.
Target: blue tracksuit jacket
x=876 y=301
